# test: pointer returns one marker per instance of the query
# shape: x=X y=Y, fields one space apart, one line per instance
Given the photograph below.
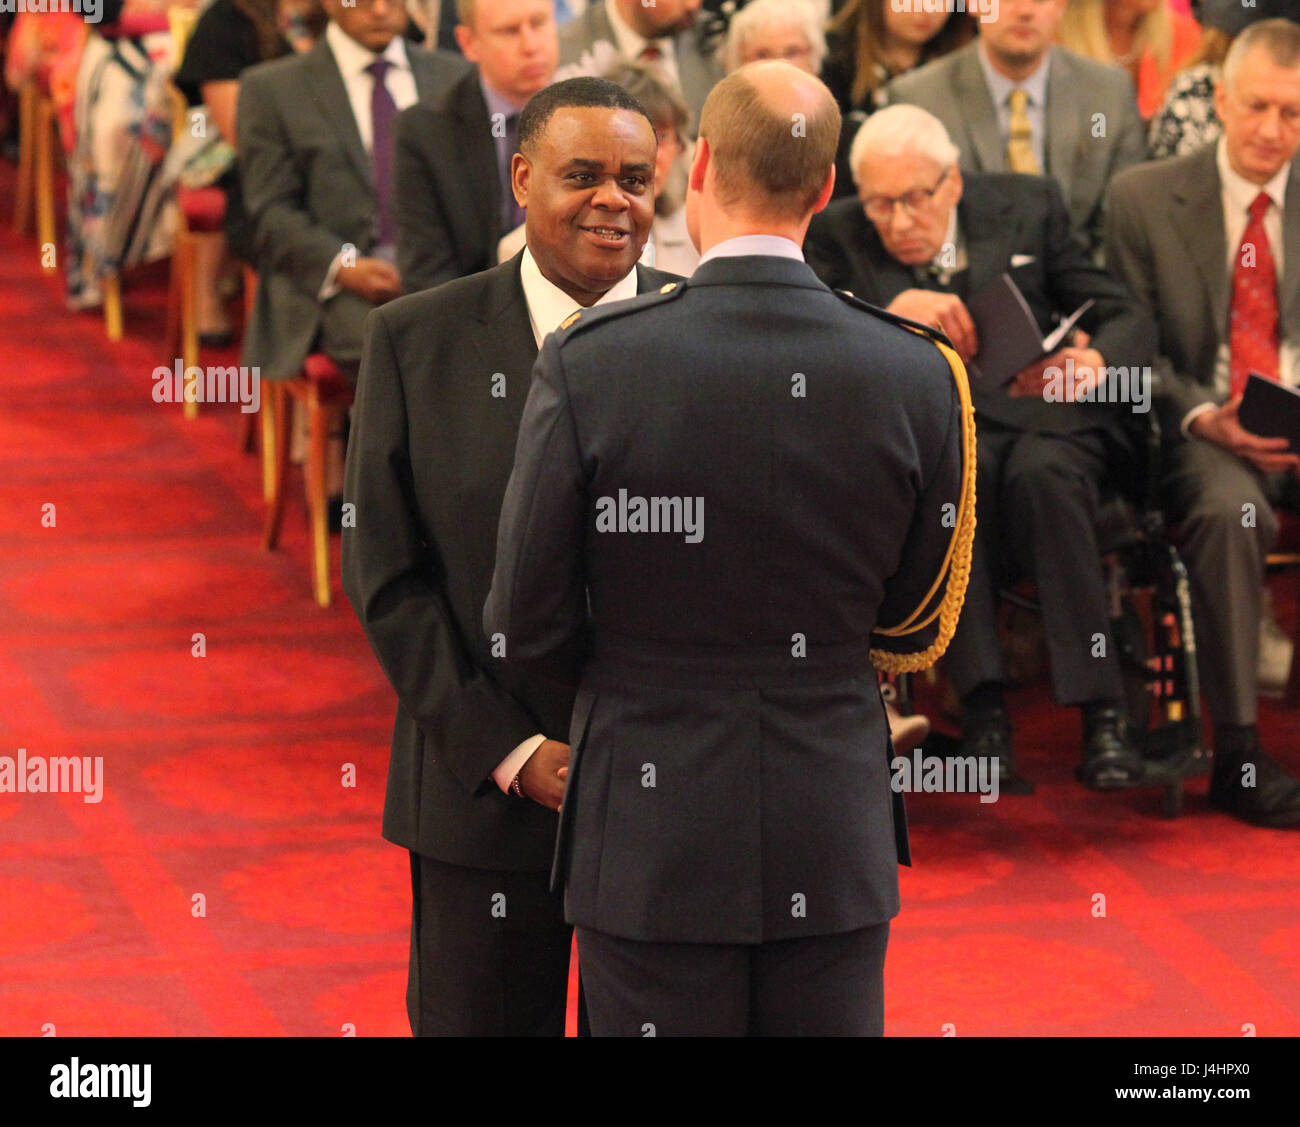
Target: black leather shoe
x=987 y=733
x=1273 y=800
x=1110 y=761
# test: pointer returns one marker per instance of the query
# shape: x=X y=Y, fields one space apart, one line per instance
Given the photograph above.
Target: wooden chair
x=324 y=391
x=248 y=432
x=1287 y=555
x=38 y=148
x=25 y=189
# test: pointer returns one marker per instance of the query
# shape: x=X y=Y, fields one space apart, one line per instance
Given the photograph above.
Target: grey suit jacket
x=1167 y=240
x=729 y=781
x=1084 y=99
x=698 y=67
x=308 y=189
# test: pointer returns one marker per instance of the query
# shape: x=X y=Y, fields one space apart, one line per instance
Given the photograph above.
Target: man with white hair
x=1210 y=243
x=920 y=240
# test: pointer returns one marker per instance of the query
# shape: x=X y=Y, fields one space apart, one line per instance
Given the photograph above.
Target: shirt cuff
x=1186 y=425
x=514 y=762
x=331 y=286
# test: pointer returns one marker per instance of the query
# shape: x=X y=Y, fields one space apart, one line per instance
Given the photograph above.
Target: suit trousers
x=821 y=986
x=1223 y=510
x=489 y=953
x=1037 y=515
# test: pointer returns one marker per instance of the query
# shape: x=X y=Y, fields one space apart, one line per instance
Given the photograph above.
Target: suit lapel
x=474 y=131
x=978 y=112
x=1197 y=215
x=1062 y=141
x=331 y=97
x=1289 y=289
x=504 y=336
x=989 y=226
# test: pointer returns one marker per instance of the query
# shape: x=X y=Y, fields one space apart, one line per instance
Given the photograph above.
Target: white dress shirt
x=1238 y=194
x=548 y=306
x=630 y=44
x=352 y=59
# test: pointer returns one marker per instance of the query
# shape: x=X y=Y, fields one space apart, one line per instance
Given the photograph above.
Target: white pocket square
x=1021 y=260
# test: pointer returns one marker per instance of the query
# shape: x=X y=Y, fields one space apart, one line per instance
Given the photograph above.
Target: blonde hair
x=1083 y=31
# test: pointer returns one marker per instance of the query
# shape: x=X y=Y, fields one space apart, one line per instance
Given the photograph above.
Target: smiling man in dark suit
x=478 y=754
x=453 y=154
x=935 y=237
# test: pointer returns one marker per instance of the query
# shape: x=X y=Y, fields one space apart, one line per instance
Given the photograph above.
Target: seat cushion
x=204 y=208
x=330 y=383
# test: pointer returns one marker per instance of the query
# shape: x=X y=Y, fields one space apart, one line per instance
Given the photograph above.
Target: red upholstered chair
x=1286 y=553
x=325 y=391
x=202 y=212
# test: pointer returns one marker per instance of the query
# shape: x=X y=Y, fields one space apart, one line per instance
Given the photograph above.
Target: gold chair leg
x=318 y=428
x=113 y=305
x=46 y=230
x=189 y=314
x=276 y=417
x=26 y=187
x=268 y=443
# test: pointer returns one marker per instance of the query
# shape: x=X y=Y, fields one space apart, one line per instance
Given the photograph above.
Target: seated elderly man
x=1210 y=243
x=921 y=240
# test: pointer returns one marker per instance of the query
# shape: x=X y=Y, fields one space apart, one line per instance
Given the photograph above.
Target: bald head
x=773 y=131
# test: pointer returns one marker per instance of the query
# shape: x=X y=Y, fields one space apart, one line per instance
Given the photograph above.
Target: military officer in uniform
x=731 y=500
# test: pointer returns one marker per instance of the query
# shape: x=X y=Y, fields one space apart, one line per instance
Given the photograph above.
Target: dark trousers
x=1223 y=508
x=1037 y=498
x=822 y=986
x=489 y=953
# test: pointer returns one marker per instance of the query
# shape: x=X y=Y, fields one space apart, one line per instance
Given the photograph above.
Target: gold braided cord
x=956 y=563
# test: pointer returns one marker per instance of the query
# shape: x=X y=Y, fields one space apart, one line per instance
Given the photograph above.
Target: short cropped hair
x=775 y=164
x=1281 y=38
x=573 y=92
x=899 y=129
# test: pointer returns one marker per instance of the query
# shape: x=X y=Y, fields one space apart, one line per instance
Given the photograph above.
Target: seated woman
x=230 y=36
x=1148 y=38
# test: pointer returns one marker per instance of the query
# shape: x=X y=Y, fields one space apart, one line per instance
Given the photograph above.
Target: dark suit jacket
x=448 y=192
x=308 y=191
x=1170 y=246
x=1084 y=99
x=432 y=442
x=1003 y=215
x=733 y=673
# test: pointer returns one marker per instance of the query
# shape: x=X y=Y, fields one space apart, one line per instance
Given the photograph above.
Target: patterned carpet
x=230 y=883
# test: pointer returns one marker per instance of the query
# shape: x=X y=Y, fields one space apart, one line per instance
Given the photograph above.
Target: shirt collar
x=1000 y=86
x=497 y=103
x=352 y=58
x=629 y=42
x=548 y=305
x=1239 y=192
x=775 y=246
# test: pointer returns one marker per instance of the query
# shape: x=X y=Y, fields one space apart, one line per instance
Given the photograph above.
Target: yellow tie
x=1020 y=148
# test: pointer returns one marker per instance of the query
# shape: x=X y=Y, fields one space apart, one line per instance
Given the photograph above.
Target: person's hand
x=1222 y=427
x=1034 y=380
x=542 y=777
x=373 y=279
x=946 y=312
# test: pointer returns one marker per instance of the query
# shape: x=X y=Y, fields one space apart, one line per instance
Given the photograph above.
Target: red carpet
x=223 y=774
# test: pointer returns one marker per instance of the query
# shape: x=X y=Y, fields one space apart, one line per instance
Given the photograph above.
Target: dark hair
x=264 y=15
x=573 y=92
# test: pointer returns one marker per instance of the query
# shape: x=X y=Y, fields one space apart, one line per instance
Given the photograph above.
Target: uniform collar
x=743 y=245
x=548 y=305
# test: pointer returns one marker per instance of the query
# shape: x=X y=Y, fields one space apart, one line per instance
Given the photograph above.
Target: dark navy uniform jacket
x=730 y=777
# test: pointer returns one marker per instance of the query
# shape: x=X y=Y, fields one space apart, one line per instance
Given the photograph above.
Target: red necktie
x=1253 y=340
x=650 y=54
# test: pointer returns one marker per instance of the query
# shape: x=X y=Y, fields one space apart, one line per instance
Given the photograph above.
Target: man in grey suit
x=1013 y=102
x=315 y=153
x=1209 y=243
x=662 y=36
x=728 y=833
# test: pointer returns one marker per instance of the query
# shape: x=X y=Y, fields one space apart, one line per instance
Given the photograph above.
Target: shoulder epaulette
x=597 y=315
x=905 y=322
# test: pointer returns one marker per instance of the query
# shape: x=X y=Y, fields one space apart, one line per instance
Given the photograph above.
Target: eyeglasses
x=789 y=54
x=880 y=209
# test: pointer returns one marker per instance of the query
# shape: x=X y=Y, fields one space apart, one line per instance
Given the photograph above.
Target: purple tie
x=382 y=111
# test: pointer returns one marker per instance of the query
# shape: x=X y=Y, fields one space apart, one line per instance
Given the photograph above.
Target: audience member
x=924 y=238
x=1148 y=38
x=453 y=154
x=1208 y=242
x=1012 y=102
x=660 y=35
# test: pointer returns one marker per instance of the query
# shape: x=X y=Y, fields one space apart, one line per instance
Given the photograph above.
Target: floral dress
x=1187 y=121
